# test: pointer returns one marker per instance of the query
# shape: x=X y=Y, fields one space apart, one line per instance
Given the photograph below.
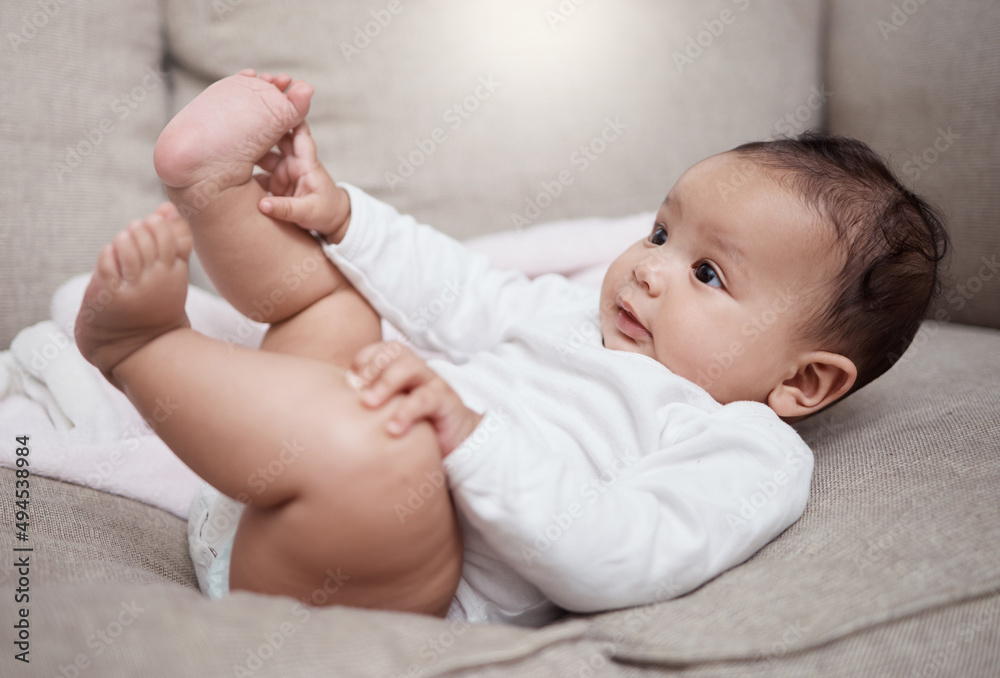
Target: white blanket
x=83 y=430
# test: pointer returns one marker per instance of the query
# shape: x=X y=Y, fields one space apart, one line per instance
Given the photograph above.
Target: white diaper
x=212 y=521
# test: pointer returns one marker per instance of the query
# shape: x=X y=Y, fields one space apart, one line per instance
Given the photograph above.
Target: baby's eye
x=706 y=274
x=659 y=235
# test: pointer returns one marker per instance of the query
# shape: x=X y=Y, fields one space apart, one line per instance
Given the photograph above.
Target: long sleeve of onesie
x=598 y=478
x=442 y=296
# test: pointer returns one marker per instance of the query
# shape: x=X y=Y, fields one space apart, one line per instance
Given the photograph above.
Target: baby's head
x=789 y=272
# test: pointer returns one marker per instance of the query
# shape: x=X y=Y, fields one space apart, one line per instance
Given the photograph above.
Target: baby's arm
x=441 y=295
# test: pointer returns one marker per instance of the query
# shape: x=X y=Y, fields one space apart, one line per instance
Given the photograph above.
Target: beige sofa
x=465 y=114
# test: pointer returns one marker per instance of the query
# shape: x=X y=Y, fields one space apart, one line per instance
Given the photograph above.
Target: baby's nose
x=649 y=272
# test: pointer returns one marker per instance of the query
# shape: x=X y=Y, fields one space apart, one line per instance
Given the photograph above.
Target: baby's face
x=719 y=289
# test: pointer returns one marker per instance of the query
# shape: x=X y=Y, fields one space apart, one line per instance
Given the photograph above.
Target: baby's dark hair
x=893 y=241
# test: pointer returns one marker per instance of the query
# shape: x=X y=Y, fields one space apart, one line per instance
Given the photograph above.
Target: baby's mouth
x=628 y=324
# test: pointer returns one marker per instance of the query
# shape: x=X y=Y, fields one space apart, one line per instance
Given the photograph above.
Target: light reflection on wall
x=553 y=54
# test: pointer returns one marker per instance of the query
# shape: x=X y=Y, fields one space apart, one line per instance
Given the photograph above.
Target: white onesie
x=597 y=479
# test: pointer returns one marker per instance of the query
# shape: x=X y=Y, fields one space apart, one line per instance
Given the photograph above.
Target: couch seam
x=646 y=653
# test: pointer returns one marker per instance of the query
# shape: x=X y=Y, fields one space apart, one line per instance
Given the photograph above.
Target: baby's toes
x=107 y=264
x=145 y=240
x=166 y=246
x=300 y=94
x=282 y=81
x=179 y=233
x=129 y=258
x=167 y=210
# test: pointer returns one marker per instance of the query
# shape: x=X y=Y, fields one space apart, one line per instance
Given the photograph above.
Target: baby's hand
x=389 y=368
x=302 y=191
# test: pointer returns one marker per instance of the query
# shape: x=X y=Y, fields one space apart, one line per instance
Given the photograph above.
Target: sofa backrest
x=920 y=81
x=83 y=100
x=482 y=117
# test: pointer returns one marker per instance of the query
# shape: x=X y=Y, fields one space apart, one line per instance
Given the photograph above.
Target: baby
x=526 y=471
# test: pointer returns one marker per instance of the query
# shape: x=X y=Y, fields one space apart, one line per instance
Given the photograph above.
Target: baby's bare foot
x=215 y=140
x=137 y=291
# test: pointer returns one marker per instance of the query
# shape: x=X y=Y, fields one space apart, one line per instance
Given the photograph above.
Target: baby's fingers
x=295 y=210
x=422 y=403
x=369 y=362
x=389 y=370
x=302 y=143
x=400 y=376
x=269 y=161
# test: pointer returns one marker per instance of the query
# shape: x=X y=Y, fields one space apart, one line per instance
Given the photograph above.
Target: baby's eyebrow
x=670 y=201
x=731 y=251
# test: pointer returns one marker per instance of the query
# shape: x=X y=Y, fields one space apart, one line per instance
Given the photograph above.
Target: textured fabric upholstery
x=84 y=98
x=915 y=81
x=894 y=570
x=553 y=89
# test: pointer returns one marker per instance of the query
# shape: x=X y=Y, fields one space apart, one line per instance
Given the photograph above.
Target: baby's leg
x=338 y=505
x=267 y=269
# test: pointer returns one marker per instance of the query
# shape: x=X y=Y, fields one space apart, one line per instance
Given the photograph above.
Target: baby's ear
x=820 y=379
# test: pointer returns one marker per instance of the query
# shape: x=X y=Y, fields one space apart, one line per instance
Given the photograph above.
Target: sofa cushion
x=918 y=81
x=86 y=537
x=893 y=569
x=477 y=117
x=84 y=98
